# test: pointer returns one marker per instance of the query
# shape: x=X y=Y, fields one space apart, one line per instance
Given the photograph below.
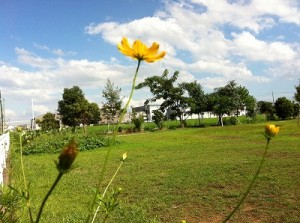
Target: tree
x=251 y=106
x=163 y=87
x=94 y=111
x=284 y=108
x=111 y=109
x=224 y=100
x=245 y=101
x=267 y=109
x=296 y=107
x=138 y=121
x=297 y=99
x=230 y=99
x=49 y=122
x=158 y=118
x=197 y=100
x=73 y=107
x=297 y=94
x=217 y=103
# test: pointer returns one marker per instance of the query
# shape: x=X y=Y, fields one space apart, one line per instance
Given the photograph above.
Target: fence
x=4 y=147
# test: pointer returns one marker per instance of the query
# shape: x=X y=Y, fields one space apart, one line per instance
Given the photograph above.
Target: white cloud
x=257 y=50
x=196 y=29
x=9 y=112
x=32 y=60
x=197 y=37
x=40 y=109
x=56 y=52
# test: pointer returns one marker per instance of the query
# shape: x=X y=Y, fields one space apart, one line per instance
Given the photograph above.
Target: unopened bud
x=67 y=156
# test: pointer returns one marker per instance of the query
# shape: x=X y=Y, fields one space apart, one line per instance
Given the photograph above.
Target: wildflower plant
x=140 y=52
x=108 y=201
x=270 y=131
x=65 y=160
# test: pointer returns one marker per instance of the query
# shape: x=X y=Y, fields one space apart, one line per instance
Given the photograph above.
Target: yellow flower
x=271 y=130
x=67 y=156
x=140 y=51
x=124 y=156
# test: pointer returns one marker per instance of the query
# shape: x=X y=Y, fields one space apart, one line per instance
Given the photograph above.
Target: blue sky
x=46 y=46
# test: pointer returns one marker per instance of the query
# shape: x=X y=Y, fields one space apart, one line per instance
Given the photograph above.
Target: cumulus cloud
x=197 y=28
x=212 y=42
x=253 y=49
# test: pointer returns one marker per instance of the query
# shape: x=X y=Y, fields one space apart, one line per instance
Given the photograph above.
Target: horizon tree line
x=182 y=99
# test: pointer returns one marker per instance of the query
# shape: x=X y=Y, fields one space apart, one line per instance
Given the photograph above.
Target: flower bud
x=67 y=156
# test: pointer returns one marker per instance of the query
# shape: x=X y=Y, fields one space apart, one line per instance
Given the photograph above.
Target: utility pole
x=33 y=118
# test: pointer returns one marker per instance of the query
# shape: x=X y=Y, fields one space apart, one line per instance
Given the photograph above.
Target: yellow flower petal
x=271 y=130
x=124 y=156
x=140 y=51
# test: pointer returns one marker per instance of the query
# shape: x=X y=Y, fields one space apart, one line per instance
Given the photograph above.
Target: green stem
x=250 y=185
x=108 y=185
x=24 y=179
x=61 y=173
x=130 y=97
x=109 y=148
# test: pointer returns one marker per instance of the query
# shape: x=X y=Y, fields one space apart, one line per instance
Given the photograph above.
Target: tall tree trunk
x=220 y=121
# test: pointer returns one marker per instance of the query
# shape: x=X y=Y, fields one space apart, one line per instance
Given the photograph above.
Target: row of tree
x=182 y=99
x=189 y=98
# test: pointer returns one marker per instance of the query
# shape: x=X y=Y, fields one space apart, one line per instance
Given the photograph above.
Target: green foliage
x=93 y=114
x=297 y=94
x=229 y=100
x=197 y=100
x=73 y=107
x=111 y=109
x=266 y=108
x=49 y=122
x=54 y=143
x=175 y=178
x=296 y=108
x=230 y=120
x=137 y=121
x=10 y=204
x=158 y=118
x=164 y=88
x=284 y=108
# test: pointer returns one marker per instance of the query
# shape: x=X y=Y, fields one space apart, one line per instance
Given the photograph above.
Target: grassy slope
x=196 y=174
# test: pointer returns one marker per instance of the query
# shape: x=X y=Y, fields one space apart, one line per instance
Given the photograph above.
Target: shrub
x=137 y=121
x=55 y=143
x=230 y=121
x=158 y=118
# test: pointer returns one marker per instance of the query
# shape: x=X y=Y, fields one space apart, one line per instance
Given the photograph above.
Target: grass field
x=197 y=174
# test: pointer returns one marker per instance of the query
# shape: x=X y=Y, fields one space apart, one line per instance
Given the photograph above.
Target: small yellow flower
x=271 y=130
x=124 y=156
x=67 y=156
x=140 y=51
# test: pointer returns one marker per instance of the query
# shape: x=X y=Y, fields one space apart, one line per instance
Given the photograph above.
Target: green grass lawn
x=197 y=174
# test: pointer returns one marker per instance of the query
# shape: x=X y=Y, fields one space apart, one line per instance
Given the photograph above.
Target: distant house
x=146 y=111
x=126 y=119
